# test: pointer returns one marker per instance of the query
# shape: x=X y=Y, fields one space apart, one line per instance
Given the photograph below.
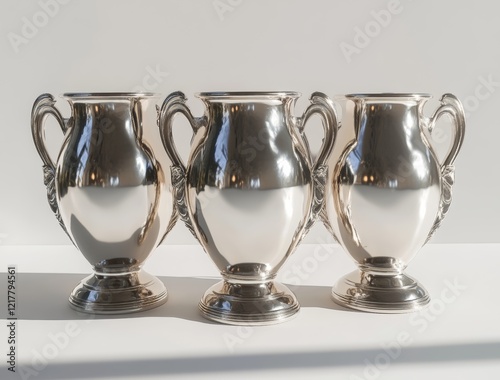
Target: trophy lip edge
x=246 y=94
x=393 y=95
x=109 y=94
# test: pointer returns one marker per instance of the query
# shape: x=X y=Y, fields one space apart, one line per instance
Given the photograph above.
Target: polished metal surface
x=249 y=194
x=387 y=195
x=108 y=192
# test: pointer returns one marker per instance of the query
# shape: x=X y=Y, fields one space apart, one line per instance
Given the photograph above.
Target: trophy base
x=118 y=293
x=397 y=293
x=249 y=304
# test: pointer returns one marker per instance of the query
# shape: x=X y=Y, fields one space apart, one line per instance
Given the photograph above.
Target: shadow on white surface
x=317 y=296
x=44 y=296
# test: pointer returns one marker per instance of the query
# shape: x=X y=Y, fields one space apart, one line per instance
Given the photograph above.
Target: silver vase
x=249 y=193
x=109 y=194
x=388 y=194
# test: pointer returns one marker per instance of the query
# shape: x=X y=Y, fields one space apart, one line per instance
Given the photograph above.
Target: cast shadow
x=317 y=296
x=44 y=296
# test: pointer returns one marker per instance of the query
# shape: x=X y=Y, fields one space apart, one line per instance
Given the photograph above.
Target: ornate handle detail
x=323 y=106
x=43 y=107
x=174 y=103
x=449 y=105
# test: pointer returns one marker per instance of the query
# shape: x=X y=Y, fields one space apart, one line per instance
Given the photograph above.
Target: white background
x=424 y=46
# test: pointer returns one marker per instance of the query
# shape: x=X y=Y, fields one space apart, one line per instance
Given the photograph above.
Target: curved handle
x=449 y=105
x=324 y=107
x=43 y=107
x=174 y=103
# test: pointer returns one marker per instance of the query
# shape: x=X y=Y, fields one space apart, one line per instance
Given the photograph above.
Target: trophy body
x=109 y=194
x=388 y=193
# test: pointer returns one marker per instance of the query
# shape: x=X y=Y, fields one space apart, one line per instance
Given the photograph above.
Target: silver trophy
x=249 y=194
x=108 y=192
x=387 y=195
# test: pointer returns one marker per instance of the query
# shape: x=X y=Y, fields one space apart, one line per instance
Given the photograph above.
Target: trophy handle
x=174 y=103
x=449 y=105
x=324 y=107
x=43 y=107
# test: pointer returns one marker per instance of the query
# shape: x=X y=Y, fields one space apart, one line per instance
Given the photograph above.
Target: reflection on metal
x=387 y=196
x=250 y=193
x=108 y=192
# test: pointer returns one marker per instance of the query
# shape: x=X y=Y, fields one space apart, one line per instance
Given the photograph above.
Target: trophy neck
x=249 y=112
x=110 y=112
x=107 y=118
x=385 y=114
x=249 y=118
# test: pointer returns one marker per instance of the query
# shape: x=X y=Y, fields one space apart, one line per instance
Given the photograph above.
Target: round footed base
x=249 y=304
x=380 y=293
x=118 y=293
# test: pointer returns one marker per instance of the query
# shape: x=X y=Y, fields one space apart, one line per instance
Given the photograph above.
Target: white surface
x=121 y=45
x=457 y=337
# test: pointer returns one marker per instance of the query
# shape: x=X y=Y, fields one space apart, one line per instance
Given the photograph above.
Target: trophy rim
x=105 y=95
x=247 y=94
x=389 y=95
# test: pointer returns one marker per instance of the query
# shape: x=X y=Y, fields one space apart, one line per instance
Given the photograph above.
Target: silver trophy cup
x=109 y=194
x=387 y=195
x=249 y=194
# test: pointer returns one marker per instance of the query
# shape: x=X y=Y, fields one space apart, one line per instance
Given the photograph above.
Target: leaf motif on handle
x=319 y=175
x=49 y=180
x=323 y=216
x=173 y=220
x=158 y=114
x=178 y=182
x=447 y=181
